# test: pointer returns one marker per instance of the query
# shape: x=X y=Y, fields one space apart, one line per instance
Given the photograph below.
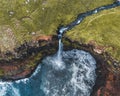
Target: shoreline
x=28 y=50
x=46 y=50
x=102 y=70
x=25 y=63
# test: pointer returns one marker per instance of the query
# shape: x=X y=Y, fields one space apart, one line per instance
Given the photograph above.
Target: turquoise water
x=67 y=73
x=75 y=79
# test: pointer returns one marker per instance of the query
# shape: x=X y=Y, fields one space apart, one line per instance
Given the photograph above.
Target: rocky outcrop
x=107 y=83
x=7 y=39
x=111 y=86
x=43 y=38
x=23 y=63
x=108 y=80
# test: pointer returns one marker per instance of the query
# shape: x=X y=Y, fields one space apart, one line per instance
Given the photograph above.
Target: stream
x=66 y=73
x=82 y=16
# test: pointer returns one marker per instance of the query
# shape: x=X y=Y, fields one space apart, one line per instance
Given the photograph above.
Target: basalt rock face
x=111 y=87
x=23 y=60
x=25 y=19
x=108 y=80
x=28 y=55
x=107 y=83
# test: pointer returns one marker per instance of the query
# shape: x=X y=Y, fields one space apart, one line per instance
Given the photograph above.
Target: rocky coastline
x=23 y=60
x=22 y=66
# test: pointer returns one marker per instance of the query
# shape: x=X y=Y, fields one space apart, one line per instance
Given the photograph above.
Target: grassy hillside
x=21 y=19
x=102 y=28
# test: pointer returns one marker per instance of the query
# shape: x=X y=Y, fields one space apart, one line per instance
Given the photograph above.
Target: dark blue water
x=75 y=79
x=82 y=16
x=70 y=73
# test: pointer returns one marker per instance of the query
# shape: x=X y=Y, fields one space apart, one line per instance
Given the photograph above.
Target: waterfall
x=60 y=48
x=76 y=78
x=58 y=62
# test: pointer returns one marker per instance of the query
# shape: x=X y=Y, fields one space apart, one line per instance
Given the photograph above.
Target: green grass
x=42 y=16
x=103 y=28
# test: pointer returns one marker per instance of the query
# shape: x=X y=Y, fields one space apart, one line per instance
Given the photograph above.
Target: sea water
x=76 y=79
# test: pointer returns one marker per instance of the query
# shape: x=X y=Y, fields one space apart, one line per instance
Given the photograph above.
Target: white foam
x=95 y=11
x=63 y=29
x=80 y=66
x=6 y=87
x=56 y=61
x=77 y=78
x=79 y=21
x=58 y=64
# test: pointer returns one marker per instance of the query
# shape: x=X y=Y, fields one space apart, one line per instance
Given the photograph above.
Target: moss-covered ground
x=23 y=18
x=102 y=28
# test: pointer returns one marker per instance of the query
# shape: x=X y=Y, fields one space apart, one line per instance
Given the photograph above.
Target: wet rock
x=111 y=87
x=99 y=49
x=107 y=83
x=26 y=58
x=21 y=74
